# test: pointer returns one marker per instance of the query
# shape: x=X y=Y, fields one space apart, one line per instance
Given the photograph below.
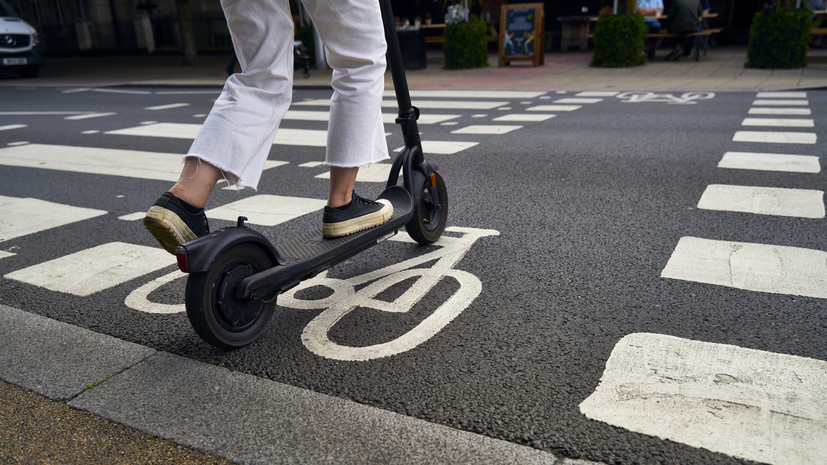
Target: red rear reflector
x=181 y=256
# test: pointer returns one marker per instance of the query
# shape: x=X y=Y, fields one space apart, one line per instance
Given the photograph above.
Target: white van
x=20 y=50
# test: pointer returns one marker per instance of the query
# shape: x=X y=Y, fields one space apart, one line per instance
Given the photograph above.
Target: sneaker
x=358 y=215
x=172 y=222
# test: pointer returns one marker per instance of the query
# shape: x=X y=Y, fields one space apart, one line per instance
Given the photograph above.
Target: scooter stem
x=407 y=113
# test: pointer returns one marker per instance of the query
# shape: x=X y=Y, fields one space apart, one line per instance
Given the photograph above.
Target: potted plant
x=779 y=37
x=618 y=41
x=466 y=39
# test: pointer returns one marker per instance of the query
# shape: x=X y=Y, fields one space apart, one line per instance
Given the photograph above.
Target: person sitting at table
x=650 y=8
x=682 y=19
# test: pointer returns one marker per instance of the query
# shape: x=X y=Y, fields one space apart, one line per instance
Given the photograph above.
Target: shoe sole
x=371 y=220
x=167 y=228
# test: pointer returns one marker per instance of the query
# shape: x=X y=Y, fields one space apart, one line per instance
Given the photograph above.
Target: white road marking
x=267 y=210
x=377 y=172
x=443 y=147
x=799 y=203
x=88 y=116
x=422 y=104
x=486 y=129
x=22 y=216
x=782 y=95
x=132 y=216
x=779 y=122
x=597 y=93
x=121 y=91
x=139 y=298
x=311 y=164
x=524 y=117
x=770 y=162
x=91 y=131
x=450 y=123
x=578 y=101
x=40 y=113
x=554 y=108
x=112 y=162
x=9 y=127
x=781 y=111
x=93 y=270
x=284 y=136
x=500 y=94
x=746 y=403
x=4 y=254
x=789 y=103
x=387 y=118
x=775 y=137
x=753 y=267
x=18 y=143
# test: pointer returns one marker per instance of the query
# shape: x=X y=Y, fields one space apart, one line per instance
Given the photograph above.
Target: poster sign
x=522 y=33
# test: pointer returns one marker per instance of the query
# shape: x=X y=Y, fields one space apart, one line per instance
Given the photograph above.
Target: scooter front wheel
x=430 y=211
x=216 y=314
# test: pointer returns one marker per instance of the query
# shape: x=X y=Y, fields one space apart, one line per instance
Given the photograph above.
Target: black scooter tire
x=216 y=315
x=428 y=221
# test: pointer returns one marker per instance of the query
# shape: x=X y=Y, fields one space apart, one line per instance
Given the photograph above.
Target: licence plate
x=14 y=61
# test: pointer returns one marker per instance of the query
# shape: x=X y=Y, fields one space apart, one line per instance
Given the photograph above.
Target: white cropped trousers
x=238 y=133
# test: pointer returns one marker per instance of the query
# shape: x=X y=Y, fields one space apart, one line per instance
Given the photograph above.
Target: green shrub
x=466 y=44
x=779 y=39
x=618 y=41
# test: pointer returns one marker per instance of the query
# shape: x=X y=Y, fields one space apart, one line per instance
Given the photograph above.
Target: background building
x=72 y=26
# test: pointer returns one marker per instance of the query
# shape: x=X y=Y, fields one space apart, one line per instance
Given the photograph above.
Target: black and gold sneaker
x=172 y=222
x=358 y=215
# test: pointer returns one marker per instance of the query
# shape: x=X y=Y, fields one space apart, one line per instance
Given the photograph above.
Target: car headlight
x=35 y=40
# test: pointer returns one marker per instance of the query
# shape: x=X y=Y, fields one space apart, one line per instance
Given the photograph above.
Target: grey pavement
x=98 y=399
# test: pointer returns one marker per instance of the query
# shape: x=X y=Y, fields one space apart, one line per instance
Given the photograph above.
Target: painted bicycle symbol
x=687 y=98
x=450 y=249
x=346 y=298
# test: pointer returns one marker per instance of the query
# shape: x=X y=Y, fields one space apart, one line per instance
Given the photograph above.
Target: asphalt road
x=597 y=242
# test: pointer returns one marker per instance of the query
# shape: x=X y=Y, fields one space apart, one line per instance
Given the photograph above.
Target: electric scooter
x=236 y=274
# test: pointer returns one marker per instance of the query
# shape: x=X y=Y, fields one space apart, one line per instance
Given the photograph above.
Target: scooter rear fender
x=197 y=255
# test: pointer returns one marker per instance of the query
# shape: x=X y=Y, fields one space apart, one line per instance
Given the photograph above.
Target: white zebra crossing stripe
x=88 y=116
x=23 y=216
x=284 y=136
x=267 y=210
x=746 y=403
x=377 y=172
x=423 y=104
x=598 y=93
x=167 y=107
x=781 y=111
x=387 y=118
x=787 y=95
x=775 y=137
x=770 y=162
x=789 y=103
x=526 y=118
x=4 y=254
x=486 y=129
x=93 y=270
x=499 y=94
x=9 y=127
x=753 y=267
x=554 y=108
x=800 y=203
x=578 y=101
x=779 y=122
x=443 y=147
x=112 y=162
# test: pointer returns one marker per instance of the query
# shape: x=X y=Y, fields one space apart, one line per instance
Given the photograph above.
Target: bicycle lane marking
x=345 y=298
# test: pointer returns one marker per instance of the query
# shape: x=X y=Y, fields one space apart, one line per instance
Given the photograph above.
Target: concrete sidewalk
x=722 y=69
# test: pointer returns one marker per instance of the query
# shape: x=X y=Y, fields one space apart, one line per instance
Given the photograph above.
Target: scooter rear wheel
x=216 y=314
x=430 y=211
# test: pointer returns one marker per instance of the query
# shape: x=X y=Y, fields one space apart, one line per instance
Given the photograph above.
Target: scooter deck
x=309 y=254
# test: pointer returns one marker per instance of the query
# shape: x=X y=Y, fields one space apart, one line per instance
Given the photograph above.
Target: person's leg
x=237 y=135
x=354 y=40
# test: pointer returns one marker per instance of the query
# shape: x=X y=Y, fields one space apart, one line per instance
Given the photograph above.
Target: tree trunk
x=190 y=55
